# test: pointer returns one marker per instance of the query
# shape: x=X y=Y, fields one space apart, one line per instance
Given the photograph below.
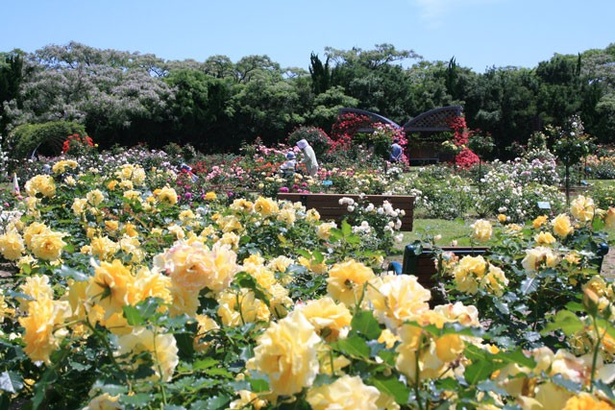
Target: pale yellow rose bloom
x=266 y=206
x=237 y=308
x=587 y=401
x=162 y=347
x=544 y=238
x=79 y=205
x=324 y=230
x=537 y=257
x=280 y=263
x=482 y=230
x=104 y=248
x=562 y=225
x=60 y=166
x=494 y=281
x=41 y=334
x=48 y=245
x=37 y=287
x=166 y=195
x=185 y=301
x=112 y=287
x=345 y=393
x=583 y=208
x=41 y=184
x=397 y=298
x=195 y=266
x=210 y=196
x=609 y=217
x=95 y=197
x=312 y=215
x=347 y=280
x=449 y=347
x=328 y=318
x=388 y=338
x=104 y=401
x=32 y=230
x=287 y=354
x=12 y=245
x=469 y=272
x=242 y=205
x=539 y=221
x=287 y=215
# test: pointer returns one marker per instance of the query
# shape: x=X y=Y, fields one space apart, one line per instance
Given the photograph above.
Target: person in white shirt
x=309 y=157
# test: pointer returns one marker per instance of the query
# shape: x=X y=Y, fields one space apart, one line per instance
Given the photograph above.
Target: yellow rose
x=41 y=184
x=12 y=245
x=469 y=272
x=539 y=221
x=583 y=208
x=161 y=347
x=79 y=205
x=609 y=218
x=544 y=238
x=112 y=184
x=60 y=166
x=104 y=401
x=324 y=230
x=210 y=196
x=104 y=248
x=345 y=393
x=562 y=225
x=449 y=347
x=398 y=298
x=346 y=281
x=494 y=281
x=535 y=258
x=237 y=308
x=328 y=318
x=195 y=266
x=112 y=287
x=48 y=245
x=266 y=206
x=287 y=354
x=502 y=218
x=95 y=197
x=40 y=334
x=587 y=401
x=482 y=230
x=166 y=195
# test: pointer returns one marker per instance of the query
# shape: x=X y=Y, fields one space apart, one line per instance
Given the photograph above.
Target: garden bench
x=329 y=207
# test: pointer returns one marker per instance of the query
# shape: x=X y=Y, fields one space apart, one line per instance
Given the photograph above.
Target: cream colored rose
x=538 y=257
x=162 y=347
x=12 y=245
x=95 y=197
x=609 y=217
x=328 y=318
x=398 y=298
x=166 y=195
x=582 y=208
x=48 y=245
x=482 y=230
x=345 y=393
x=287 y=354
x=266 y=206
x=544 y=238
x=41 y=184
x=347 y=280
x=562 y=225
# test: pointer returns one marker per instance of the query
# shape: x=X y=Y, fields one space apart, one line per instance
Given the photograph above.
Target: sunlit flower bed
x=127 y=296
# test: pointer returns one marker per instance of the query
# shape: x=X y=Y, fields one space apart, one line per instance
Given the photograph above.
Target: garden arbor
x=424 y=149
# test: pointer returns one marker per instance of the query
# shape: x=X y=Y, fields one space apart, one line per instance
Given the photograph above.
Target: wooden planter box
x=329 y=208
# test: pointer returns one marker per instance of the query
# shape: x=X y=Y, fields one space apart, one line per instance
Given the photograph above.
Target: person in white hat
x=309 y=157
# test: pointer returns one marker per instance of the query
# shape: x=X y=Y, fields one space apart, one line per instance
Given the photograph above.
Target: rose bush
x=127 y=295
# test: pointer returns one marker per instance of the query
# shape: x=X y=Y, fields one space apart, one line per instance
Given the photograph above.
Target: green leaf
x=133 y=315
x=478 y=371
x=365 y=324
x=217 y=402
x=10 y=382
x=353 y=346
x=393 y=387
x=529 y=285
x=564 y=320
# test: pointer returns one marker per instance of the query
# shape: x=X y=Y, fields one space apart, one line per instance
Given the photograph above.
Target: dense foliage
x=218 y=105
x=144 y=282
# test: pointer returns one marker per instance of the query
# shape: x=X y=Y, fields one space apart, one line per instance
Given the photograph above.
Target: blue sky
x=478 y=33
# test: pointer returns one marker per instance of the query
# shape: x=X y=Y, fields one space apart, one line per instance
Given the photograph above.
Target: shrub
x=316 y=137
x=45 y=138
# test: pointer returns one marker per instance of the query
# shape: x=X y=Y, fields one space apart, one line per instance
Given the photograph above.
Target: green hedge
x=43 y=138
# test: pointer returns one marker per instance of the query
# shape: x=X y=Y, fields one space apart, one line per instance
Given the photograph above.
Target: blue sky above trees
x=478 y=33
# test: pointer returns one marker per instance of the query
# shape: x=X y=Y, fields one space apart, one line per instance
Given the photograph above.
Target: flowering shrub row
x=129 y=296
